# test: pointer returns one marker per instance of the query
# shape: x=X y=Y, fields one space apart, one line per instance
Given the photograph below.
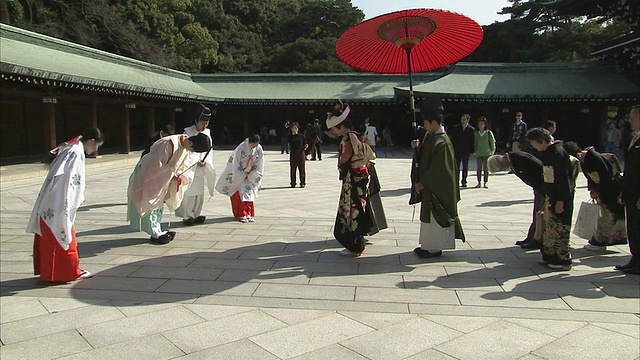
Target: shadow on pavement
x=501 y=203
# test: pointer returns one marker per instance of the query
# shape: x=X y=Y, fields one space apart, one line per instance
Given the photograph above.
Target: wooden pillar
x=27 y=121
x=94 y=116
x=126 y=131
x=50 y=127
x=151 y=120
x=172 y=117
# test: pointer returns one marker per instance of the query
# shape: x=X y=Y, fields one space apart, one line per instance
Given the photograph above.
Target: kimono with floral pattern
x=243 y=172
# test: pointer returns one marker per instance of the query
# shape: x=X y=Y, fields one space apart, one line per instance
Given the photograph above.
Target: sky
x=484 y=12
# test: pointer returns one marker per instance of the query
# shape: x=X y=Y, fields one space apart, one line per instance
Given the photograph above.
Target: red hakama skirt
x=51 y=261
x=241 y=208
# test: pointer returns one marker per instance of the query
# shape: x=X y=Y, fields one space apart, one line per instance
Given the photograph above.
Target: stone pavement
x=277 y=288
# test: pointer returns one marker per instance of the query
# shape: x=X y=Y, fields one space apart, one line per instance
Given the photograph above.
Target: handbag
x=585 y=225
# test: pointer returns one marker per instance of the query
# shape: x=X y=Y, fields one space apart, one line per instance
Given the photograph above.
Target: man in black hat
x=202 y=171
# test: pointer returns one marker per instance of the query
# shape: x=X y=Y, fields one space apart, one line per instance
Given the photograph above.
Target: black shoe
x=463 y=185
x=426 y=254
x=162 y=239
x=302 y=185
x=626 y=266
x=531 y=245
x=189 y=222
x=172 y=235
x=635 y=270
x=520 y=242
x=293 y=185
x=313 y=159
x=319 y=159
x=200 y=219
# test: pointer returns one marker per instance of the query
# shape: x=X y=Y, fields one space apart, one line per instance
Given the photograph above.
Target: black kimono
x=559 y=185
x=603 y=176
x=529 y=169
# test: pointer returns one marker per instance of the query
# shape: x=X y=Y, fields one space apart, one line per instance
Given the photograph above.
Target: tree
x=307 y=56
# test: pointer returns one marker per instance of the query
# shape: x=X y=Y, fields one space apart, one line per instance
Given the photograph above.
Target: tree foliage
x=234 y=36
x=537 y=32
x=198 y=35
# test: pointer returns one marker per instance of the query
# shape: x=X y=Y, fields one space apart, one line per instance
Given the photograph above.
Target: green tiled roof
x=539 y=80
x=31 y=55
x=282 y=88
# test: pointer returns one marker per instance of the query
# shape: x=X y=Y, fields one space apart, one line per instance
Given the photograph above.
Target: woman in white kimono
x=55 y=249
x=203 y=173
x=158 y=178
x=242 y=178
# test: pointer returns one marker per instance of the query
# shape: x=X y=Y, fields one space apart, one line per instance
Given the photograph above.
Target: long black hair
x=86 y=134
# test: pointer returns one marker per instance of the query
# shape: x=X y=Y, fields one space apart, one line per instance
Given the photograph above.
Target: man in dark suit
x=462 y=137
x=631 y=193
x=529 y=169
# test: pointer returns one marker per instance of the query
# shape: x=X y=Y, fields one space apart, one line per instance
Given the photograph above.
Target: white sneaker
x=559 y=267
x=250 y=219
x=85 y=275
x=346 y=252
x=244 y=219
x=594 y=247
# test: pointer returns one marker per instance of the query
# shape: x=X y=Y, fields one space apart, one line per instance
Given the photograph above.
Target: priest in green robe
x=438 y=187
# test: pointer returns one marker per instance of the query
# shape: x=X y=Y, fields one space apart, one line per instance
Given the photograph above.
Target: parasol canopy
x=434 y=38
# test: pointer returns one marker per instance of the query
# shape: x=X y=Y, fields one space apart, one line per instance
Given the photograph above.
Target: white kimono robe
x=202 y=175
x=61 y=194
x=243 y=172
x=153 y=182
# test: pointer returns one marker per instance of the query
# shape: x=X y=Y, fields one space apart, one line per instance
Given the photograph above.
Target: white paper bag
x=585 y=225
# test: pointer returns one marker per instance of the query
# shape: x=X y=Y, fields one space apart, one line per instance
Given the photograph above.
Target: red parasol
x=409 y=41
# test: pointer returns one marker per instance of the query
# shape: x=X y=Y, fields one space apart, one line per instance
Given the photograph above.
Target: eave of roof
x=27 y=55
x=306 y=88
x=539 y=81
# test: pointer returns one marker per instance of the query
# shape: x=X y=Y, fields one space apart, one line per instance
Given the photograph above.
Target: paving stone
x=609 y=345
x=176 y=273
x=452 y=283
x=212 y=312
x=291 y=242
x=315 y=267
x=221 y=331
x=107 y=333
x=503 y=299
x=307 y=304
x=54 y=305
x=629 y=330
x=285 y=343
x=285 y=277
x=294 y=316
x=305 y=291
x=21 y=310
x=46 y=347
x=401 y=340
x=604 y=303
x=372 y=280
x=43 y=325
x=430 y=354
x=237 y=350
x=153 y=347
x=331 y=352
x=428 y=296
x=208 y=287
x=499 y=340
x=377 y=320
x=536 y=285
x=556 y=329
x=465 y=324
x=135 y=308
